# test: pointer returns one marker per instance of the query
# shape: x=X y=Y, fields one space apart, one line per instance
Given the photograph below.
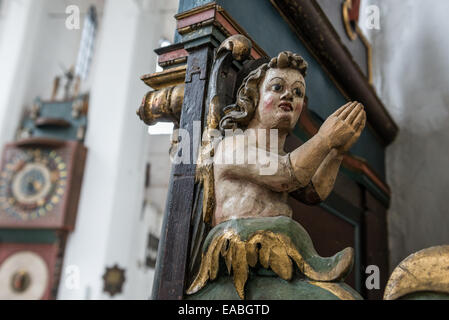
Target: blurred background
x=103 y=47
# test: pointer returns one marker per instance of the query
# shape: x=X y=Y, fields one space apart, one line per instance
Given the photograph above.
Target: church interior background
x=80 y=82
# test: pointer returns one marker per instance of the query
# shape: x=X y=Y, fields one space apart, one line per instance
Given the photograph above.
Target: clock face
x=28 y=270
x=32 y=183
x=24 y=275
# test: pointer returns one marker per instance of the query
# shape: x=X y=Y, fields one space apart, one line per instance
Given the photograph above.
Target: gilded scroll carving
x=420 y=275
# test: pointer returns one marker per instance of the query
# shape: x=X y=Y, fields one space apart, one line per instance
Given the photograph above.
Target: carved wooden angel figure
x=255 y=250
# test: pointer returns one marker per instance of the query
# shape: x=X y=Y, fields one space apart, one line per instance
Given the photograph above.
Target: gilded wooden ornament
x=278 y=245
x=347 y=5
x=426 y=271
x=165 y=102
x=335 y=289
x=239 y=45
x=162 y=105
x=167 y=78
x=271 y=250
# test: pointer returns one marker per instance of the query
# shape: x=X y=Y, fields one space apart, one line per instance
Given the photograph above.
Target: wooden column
x=172 y=260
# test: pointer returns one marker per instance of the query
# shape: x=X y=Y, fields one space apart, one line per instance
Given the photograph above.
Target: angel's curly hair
x=239 y=115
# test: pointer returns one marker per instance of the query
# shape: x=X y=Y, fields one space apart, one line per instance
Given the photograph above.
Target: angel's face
x=281 y=99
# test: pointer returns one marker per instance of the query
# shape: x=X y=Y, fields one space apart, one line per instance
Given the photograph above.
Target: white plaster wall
x=2 y=15
x=411 y=76
x=20 y=22
x=150 y=220
x=111 y=227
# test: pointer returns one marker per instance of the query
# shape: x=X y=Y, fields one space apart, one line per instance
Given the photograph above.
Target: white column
x=112 y=193
x=20 y=23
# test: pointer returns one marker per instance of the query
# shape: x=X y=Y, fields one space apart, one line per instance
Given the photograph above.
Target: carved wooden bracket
x=162 y=105
x=166 y=78
x=165 y=103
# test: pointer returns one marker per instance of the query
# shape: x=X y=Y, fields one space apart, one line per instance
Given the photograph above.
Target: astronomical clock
x=40 y=182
